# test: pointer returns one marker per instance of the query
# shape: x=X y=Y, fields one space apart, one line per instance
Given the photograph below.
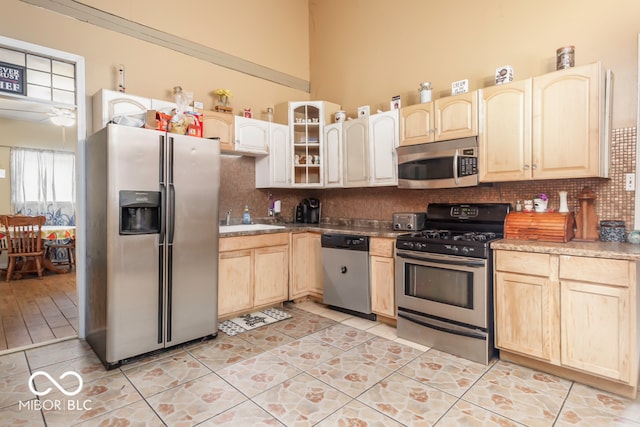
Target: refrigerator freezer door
x=193 y=296
x=133 y=274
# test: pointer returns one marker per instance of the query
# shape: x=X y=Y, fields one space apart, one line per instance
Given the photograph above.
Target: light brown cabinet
x=574 y=315
x=550 y=127
x=443 y=119
x=253 y=272
x=219 y=125
x=306 y=266
x=382 y=276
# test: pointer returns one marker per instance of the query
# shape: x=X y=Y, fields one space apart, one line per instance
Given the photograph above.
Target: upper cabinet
x=505 y=139
x=370 y=150
x=251 y=136
x=333 y=155
x=549 y=127
x=384 y=138
x=456 y=116
x=110 y=104
x=274 y=170
x=216 y=124
x=446 y=118
x=306 y=122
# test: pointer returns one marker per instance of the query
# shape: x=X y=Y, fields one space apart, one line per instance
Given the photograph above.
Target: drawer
x=255 y=241
x=529 y=263
x=379 y=246
x=595 y=270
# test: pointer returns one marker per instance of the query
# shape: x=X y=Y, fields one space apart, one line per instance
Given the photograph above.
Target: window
x=43 y=183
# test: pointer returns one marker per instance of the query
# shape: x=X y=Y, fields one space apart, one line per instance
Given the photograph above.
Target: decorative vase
x=563 y=202
x=540 y=205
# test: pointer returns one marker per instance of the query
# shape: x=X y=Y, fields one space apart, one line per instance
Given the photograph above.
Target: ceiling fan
x=37 y=112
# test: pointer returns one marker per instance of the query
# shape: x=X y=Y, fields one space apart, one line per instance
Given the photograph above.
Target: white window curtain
x=43 y=182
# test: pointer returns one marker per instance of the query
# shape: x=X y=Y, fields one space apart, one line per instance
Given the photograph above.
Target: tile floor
x=320 y=367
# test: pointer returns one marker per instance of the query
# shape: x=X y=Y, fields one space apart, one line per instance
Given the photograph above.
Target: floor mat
x=251 y=321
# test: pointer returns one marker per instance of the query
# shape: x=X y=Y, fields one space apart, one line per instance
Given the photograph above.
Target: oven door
x=452 y=288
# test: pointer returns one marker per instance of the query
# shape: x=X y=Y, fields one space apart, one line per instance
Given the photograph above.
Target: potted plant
x=540 y=202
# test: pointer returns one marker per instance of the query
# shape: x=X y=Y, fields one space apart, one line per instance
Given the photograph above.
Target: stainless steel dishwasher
x=345 y=271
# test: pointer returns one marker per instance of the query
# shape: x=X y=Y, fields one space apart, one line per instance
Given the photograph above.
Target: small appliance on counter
x=308 y=211
x=409 y=221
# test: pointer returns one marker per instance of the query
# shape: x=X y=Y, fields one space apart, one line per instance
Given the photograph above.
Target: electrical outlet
x=630 y=181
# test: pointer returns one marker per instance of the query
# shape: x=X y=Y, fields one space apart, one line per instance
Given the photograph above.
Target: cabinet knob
x=526 y=167
x=534 y=166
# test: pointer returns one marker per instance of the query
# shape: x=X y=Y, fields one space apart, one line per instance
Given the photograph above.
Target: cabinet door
x=220 y=125
x=596 y=329
x=306 y=265
x=382 y=286
x=416 y=124
x=235 y=282
x=279 y=155
x=356 y=152
x=271 y=275
x=566 y=123
x=505 y=136
x=456 y=116
x=251 y=135
x=333 y=155
x=523 y=314
x=383 y=139
x=108 y=104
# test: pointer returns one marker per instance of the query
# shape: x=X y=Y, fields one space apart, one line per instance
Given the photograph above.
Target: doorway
x=65 y=291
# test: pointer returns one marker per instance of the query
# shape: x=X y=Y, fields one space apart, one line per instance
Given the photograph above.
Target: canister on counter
x=613 y=231
x=565 y=57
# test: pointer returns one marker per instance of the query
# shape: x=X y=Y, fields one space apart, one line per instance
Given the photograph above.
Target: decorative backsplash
x=612 y=203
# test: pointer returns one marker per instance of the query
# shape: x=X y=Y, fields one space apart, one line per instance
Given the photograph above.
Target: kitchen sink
x=248 y=227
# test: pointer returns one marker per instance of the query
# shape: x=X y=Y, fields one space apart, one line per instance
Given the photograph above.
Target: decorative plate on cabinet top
x=634 y=237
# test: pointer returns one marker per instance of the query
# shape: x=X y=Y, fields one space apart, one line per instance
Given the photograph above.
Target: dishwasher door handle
x=343 y=269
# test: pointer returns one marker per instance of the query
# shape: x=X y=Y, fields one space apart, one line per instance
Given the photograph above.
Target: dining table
x=49 y=233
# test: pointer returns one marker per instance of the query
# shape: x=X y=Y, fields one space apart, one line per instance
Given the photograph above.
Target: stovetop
x=458 y=229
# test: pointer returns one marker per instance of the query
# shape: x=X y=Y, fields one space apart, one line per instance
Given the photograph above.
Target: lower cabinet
x=382 y=276
x=306 y=266
x=253 y=272
x=574 y=313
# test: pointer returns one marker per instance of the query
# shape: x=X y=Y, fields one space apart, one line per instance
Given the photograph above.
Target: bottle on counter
x=246 y=216
x=518 y=206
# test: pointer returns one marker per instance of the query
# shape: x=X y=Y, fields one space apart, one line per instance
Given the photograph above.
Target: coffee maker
x=308 y=211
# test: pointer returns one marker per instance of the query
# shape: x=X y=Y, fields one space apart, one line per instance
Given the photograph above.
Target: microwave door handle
x=455 y=167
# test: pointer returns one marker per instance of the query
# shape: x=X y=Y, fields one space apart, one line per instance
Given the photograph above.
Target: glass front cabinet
x=306 y=120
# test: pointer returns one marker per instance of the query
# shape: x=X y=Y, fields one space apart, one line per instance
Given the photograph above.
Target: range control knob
x=409 y=226
x=454 y=249
x=396 y=226
x=465 y=250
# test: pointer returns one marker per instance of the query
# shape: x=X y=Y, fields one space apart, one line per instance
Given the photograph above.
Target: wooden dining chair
x=24 y=240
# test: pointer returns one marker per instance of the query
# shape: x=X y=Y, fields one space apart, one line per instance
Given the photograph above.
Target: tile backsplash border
x=613 y=201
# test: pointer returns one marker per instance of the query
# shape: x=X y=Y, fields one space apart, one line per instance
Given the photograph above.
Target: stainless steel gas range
x=444 y=279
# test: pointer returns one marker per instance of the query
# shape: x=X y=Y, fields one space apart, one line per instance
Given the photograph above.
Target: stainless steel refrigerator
x=152 y=241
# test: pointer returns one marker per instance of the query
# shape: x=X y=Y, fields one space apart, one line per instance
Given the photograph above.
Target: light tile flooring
x=320 y=367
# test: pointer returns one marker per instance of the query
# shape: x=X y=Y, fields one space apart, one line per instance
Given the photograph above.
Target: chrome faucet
x=228 y=221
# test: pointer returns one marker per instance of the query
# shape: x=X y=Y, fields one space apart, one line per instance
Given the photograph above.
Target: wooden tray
x=545 y=226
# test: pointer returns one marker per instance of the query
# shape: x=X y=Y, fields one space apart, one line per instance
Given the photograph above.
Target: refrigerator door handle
x=172 y=194
x=169 y=289
x=160 y=293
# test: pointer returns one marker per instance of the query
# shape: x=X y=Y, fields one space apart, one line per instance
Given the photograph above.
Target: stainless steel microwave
x=441 y=164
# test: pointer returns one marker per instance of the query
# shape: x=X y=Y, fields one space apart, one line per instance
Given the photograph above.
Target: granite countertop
x=372 y=228
x=610 y=250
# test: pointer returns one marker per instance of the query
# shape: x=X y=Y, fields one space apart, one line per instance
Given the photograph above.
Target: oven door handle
x=443 y=261
x=443 y=329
